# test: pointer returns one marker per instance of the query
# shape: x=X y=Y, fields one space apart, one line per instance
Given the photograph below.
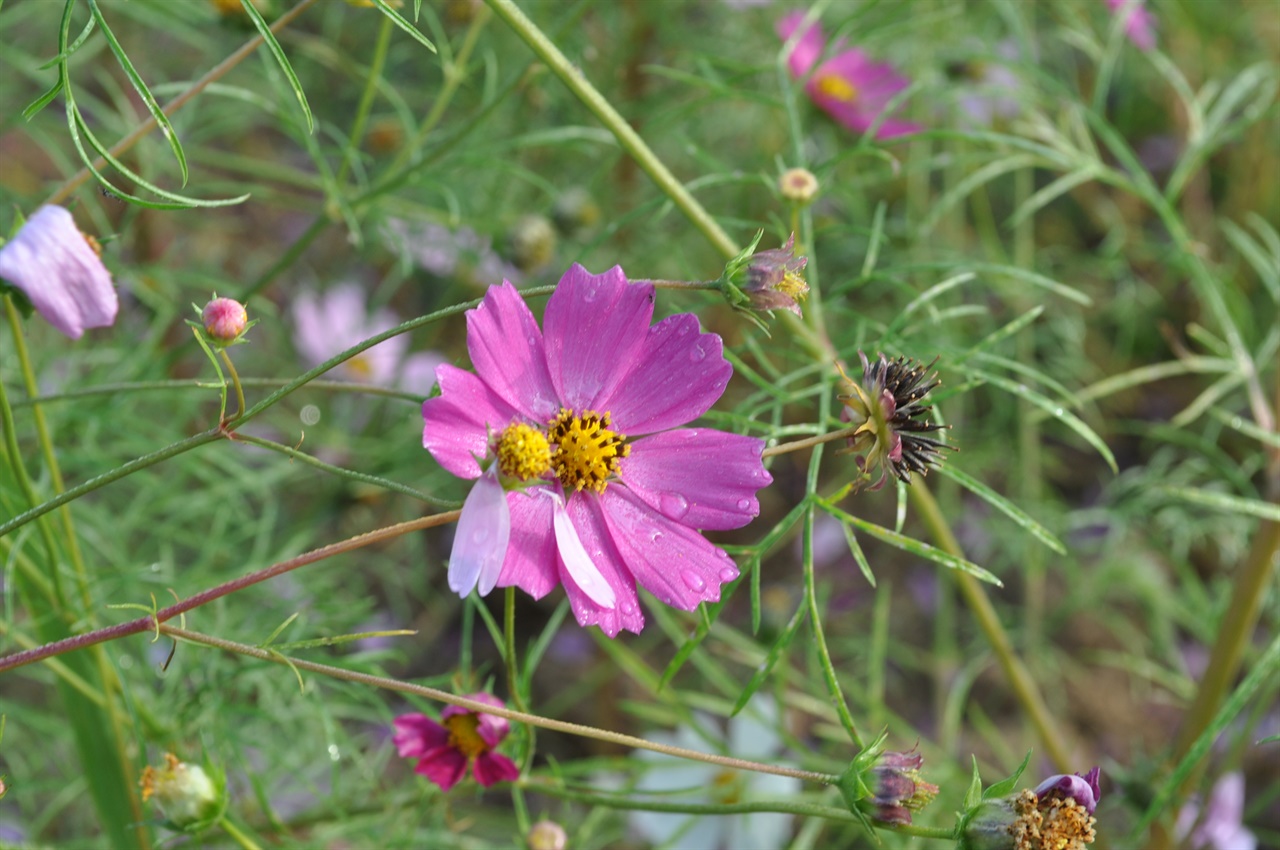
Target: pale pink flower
x=461 y=738
x=849 y=86
x=579 y=424
x=1218 y=823
x=59 y=271
x=1139 y=23
x=329 y=323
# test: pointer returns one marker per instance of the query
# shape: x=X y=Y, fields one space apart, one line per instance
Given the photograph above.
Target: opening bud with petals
x=765 y=280
x=189 y=798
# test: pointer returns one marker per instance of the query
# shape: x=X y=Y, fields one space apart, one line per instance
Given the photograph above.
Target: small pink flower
x=58 y=269
x=1139 y=23
x=849 y=86
x=462 y=738
x=1218 y=823
x=579 y=423
x=334 y=321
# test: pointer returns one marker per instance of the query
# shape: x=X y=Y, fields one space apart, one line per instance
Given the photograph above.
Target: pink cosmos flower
x=849 y=86
x=58 y=269
x=1218 y=823
x=1139 y=25
x=338 y=319
x=466 y=737
x=586 y=478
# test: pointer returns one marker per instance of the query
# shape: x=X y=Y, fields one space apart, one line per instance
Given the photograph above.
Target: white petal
x=480 y=540
x=576 y=560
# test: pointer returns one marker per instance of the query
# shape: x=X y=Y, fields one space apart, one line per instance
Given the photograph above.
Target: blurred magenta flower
x=331 y=322
x=1139 y=23
x=849 y=86
x=461 y=738
x=58 y=269
x=578 y=424
x=1218 y=823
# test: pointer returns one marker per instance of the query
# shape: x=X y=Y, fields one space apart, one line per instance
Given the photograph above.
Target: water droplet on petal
x=628 y=608
x=697 y=353
x=693 y=581
x=744 y=504
x=673 y=505
x=532 y=340
x=728 y=574
x=590 y=293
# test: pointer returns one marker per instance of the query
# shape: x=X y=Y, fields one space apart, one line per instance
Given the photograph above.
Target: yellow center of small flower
x=837 y=88
x=1055 y=824
x=523 y=452
x=360 y=367
x=464 y=735
x=587 y=452
x=727 y=787
x=793 y=286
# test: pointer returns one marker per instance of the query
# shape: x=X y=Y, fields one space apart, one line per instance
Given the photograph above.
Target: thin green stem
x=509 y=640
x=1024 y=687
x=50 y=457
x=238 y=835
x=201 y=384
x=235 y=381
x=628 y=138
x=361 y=119
x=485 y=708
x=810 y=442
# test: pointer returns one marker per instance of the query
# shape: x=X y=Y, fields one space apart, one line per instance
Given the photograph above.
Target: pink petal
x=507 y=351
x=671 y=561
x=677 y=375
x=578 y=564
x=454 y=422
x=417 y=734
x=532 y=559
x=480 y=540
x=584 y=511
x=808 y=47
x=444 y=767
x=699 y=477
x=490 y=768
x=50 y=260
x=593 y=327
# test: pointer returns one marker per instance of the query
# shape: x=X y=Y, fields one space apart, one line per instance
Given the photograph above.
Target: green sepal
x=1005 y=786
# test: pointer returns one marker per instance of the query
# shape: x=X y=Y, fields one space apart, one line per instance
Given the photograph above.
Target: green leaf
x=399 y=21
x=269 y=38
x=140 y=86
x=1005 y=786
x=775 y=652
x=42 y=101
x=915 y=547
x=1224 y=502
x=1054 y=409
x=1005 y=506
x=973 y=796
x=858 y=555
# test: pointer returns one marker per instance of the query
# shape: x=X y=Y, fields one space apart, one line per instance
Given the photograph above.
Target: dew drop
x=334 y=753
x=628 y=608
x=693 y=581
x=1058 y=411
x=744 y=504
x=532 y=340
x=673 y=505
x=480 y=534
x=697 y=353
x=728 y=574
x=591 y=292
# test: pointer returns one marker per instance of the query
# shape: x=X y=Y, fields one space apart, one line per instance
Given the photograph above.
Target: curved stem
x=810 y=442
x=238 y=835
x=153 y=621
x=485 y=708
x=235 y=381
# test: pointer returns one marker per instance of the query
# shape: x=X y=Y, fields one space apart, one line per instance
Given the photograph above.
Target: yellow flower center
x=1056 y=824
x=727 y=787
x=360 y=367
x=464 y=735
x=837 y=88
x=523 y=452
x=793 y=286
x=587 y=452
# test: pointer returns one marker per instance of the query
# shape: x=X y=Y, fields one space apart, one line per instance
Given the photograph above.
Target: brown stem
x=152 y=622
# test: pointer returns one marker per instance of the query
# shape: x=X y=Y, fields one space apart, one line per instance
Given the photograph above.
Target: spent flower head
x=765 y=280
x=1058 y=815
x=888 y=407
x=586 y=477
x=850 y=86
x=886 y=785
x=462 y=738
x=186 y=795
x=59 y=270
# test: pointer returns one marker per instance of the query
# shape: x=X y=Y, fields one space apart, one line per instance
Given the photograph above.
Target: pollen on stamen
x=523 y=452
x=587 y=451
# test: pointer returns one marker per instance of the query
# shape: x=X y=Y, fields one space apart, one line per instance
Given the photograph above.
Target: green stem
x=50 y=457
x=366 y=100
x=485 y=708
x=1024 y=687
x=235 y=382
x=238 y=835
x=809 y=442
x=201 y=384
x=628 y=138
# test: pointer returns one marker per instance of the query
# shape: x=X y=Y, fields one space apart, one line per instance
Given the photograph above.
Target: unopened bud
x=798 y=185
x=224 y=320
x=547 y=835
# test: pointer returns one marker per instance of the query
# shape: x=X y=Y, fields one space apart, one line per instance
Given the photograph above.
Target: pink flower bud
x=224 y=319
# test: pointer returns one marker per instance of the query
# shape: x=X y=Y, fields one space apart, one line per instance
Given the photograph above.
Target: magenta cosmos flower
x=461 y=737
x=58 y=268
x=1139 y=23
x=849 y=86
x=586 y=478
